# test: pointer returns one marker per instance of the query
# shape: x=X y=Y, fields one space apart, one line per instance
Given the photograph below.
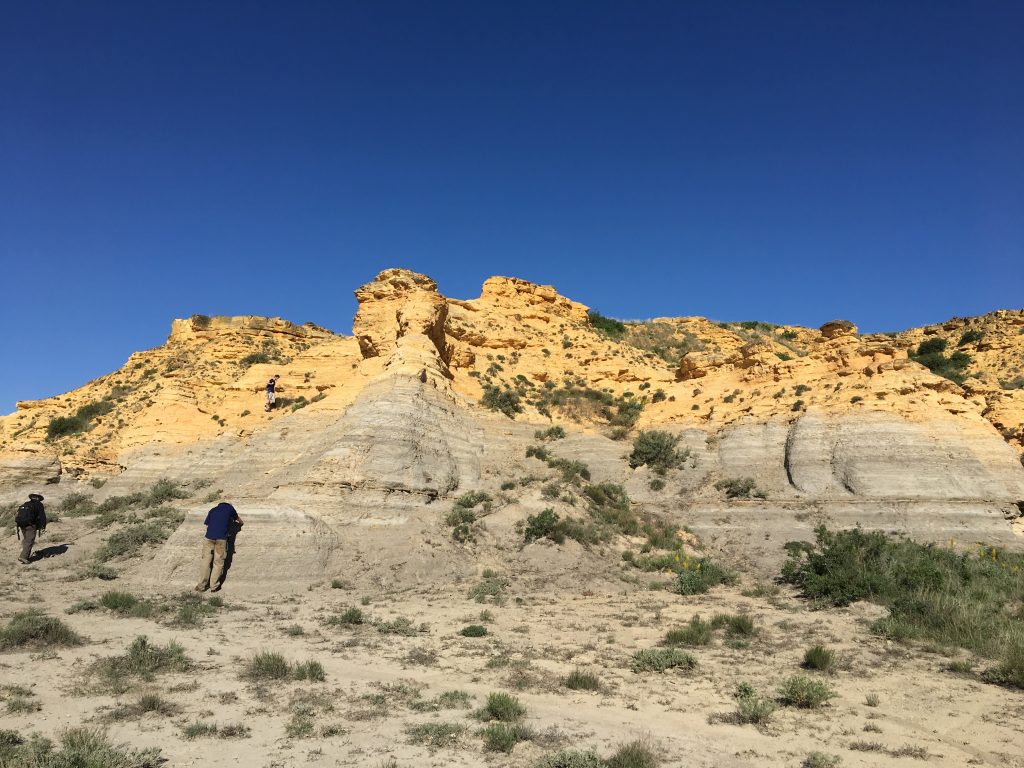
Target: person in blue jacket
x=215 y=546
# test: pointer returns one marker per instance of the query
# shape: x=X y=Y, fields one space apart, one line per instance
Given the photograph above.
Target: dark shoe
x=23 y=560
x=215 y=588
x=202 y=587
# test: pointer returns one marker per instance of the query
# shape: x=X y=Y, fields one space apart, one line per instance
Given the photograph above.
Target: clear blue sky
x=785 y=161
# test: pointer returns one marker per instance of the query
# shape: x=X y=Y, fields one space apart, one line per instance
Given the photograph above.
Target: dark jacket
x=38 y=513
x=218 y=521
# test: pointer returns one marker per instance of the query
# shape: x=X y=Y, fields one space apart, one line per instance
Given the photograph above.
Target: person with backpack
x=219 y=521
x=31 y=521
x=271 y=387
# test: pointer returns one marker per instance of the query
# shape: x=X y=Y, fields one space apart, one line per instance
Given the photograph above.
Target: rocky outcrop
x=836 y=328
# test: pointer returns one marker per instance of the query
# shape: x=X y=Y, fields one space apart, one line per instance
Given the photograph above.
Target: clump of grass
x=697 y=632
x=740 y=488
x=126 y=604
x=570 y=759
x=819 y=658
x=142 y=660
x=736 y=624
x=551 y=433
x=397 y=626
x=820 y=760
x=435 y=735
x=309 y=670
x=635 y=754
x=34 y=629
x=490 y=588
x=751 y=708
x=805 y=692
x=210 y=730
x=129 y=541
x=473 y=630
x=150 y=703
x=268 y=666
x=934 y=594
x=295 y=630
x=503 y=707
x=660 y=659
x=79 y=748
x=701 y=575
x=463 y=517
x=348 y=617
x=502 y=737
x=872 y=700
x=581 y=680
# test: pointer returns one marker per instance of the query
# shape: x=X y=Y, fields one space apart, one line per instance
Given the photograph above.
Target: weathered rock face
x=379 y=431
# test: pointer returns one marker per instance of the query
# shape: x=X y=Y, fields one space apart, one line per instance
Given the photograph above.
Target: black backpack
x=26 y=515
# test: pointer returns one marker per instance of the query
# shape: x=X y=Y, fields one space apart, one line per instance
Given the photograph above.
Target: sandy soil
x=535 y=638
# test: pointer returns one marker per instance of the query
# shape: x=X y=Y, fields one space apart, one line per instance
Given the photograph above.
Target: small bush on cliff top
x=606 y=325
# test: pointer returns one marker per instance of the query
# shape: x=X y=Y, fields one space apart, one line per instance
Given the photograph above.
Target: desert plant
x=820 y=760
x=267 y=665
x=751 y=708
x=581 y=680
x=635 y=754
x=79 y=748
x=544 y=525
x=570 y=759
x=656 y=449
x=606 y=325
x=504 y=400
x=435 y=735
x=502 y=737
x=660 y=659
x=740 y=488
x=698 y=576
x=503 y=707
x=804 y=692
x=697 y=632
x=34 y=629
x=473 y=630
x=819 y=658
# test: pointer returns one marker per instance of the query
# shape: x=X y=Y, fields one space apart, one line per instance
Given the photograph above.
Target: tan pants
x=214 y=552
x=28 y=538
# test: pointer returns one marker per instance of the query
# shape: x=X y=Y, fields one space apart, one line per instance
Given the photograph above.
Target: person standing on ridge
x=31 y=521
x=215 y=546
x=271 y=387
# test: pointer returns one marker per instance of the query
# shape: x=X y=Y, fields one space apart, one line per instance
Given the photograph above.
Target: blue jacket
x=218 y=521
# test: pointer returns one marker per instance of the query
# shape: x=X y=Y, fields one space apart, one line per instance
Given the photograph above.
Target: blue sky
x=788 y=161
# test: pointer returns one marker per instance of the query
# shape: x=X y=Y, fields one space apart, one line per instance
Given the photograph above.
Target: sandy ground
x=535 y=638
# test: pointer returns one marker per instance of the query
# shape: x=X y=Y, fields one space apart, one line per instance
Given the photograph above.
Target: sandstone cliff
x=433 y=397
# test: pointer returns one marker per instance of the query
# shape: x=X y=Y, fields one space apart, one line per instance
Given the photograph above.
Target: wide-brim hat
x=35 y=496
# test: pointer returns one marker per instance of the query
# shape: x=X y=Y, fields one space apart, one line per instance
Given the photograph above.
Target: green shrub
x=268 y=666
x=660 y=659
x=502 y=737
x=570 y=759
x=551 y=433
x=657 y=449
x=933 y=594
x=635 y=754
x=702 y=576
x=490 y=588
x=255 y=358
x=142 y=660
x=435 y=735
x=400 y=625
x=77 y=504
x=309 y=670
x=63 y=426
x=970 y=337
x=128 y=604
x=752 y=709
x=164 y=491
x=544 y=525
x=736 y=624
x=606 y=325
x=804 y=692
x=350 y=616
x=581 y=680
x=819 y=658
x=473 y=630
x=740 y=488
x=697 y=632
x=656 y=484
x=503 y=707
x=129 y=541
x=930 y=354
x=820 y=760
x=79 y=748
x=34 y=629
x=504 y=400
